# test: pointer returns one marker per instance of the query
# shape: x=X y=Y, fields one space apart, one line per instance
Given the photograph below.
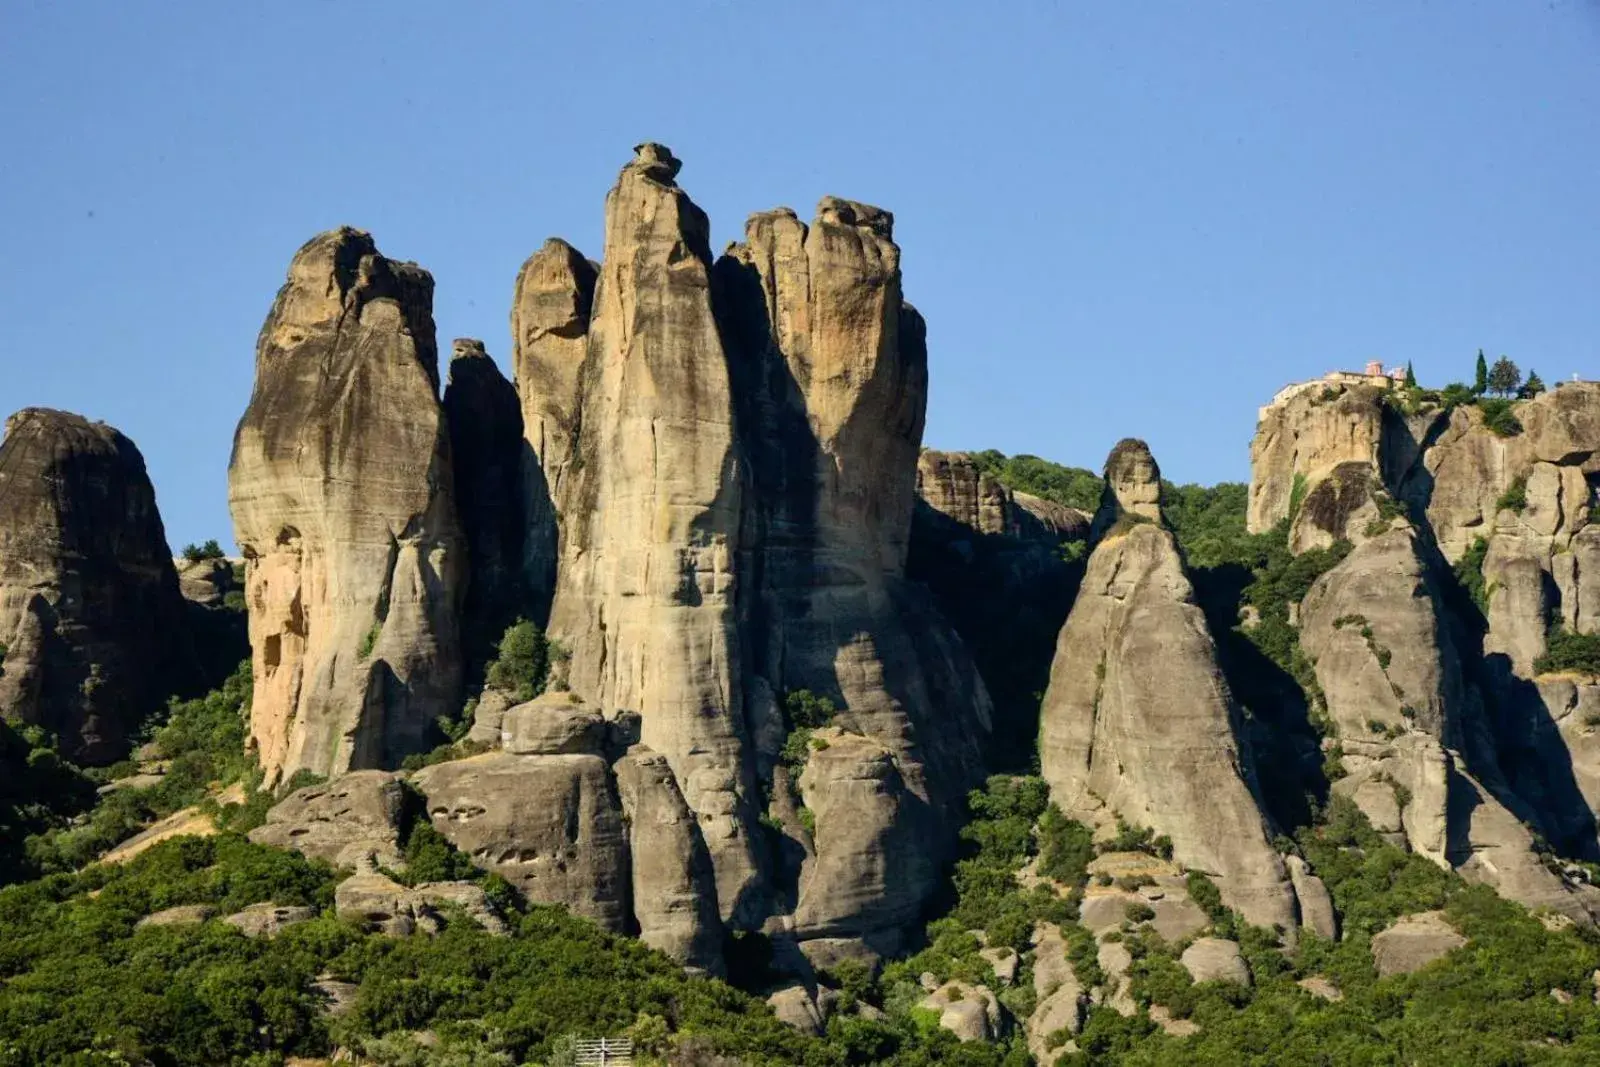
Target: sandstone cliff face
x=341 y=492
x=550 y=311
x=485 y=422
x=1138 y=722
x=91 y=619
x=994 y=560
x=831 y=373
x=1449 y=745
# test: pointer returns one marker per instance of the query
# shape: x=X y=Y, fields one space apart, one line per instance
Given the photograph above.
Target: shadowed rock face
x=550 y=313
x=91 y=618
x=1138 y=721
x=341 y=493
x=485 y=444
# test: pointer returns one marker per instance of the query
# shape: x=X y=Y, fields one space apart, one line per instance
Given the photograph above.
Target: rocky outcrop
x=341 y=491
x=91 y=621
x=970 y=1012
x=1138 y=723
x=650 y=520
x=372 y=899
x=268 y=920
x=485 y=421
x=205 y=581
x=1212 y=959
x=831 y=380
x=1404 y=676
x=997 y=564
x=674 y=886
x=354 y=819
x=1302 y=439
x=550 y=825
x=1413 y=942
x=951 y=484
x=550 y=311
x=869 y=871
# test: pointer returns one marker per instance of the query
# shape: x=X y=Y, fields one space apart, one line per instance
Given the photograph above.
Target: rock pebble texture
x=91 y=618
x=1433 y=504
x=341 y=490
x=1138 y=723
x=730 y=450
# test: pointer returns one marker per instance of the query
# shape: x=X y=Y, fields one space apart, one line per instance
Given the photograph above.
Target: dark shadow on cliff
x=1007 y=598
x=1282 y=746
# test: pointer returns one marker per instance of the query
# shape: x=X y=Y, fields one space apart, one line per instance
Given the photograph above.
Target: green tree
x=1532 y=387
x=1480 y=377
x=522 y=661
x=1504 y=377
x=1411 y=376
x=210 y=550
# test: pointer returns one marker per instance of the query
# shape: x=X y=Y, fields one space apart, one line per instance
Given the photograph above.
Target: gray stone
x=1211 y=959
x=1413 y=942
x=353 y=818
x=269 y=920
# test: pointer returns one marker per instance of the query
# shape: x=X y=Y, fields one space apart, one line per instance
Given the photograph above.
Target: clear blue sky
x=1118 y=218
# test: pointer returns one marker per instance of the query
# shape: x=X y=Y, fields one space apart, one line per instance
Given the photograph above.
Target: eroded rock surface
x=355 y=818
x=1138 y=722
x=1413 y=942
x=341 y=491
x=550 y=825
x=550 y=311
x=674 y=886
x=91 y=618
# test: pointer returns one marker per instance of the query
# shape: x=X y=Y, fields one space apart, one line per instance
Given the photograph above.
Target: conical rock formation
x=1138 y=722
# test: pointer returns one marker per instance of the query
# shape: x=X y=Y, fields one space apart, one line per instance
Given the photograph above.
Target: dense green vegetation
x=1568 y=651
x=202 y=743
x=77 y=978
x=1073 y=486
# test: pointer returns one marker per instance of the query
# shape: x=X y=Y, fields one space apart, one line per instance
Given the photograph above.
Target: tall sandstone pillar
x=550 y=312
x=644 y=600
x=831 y=374
x=341 y=492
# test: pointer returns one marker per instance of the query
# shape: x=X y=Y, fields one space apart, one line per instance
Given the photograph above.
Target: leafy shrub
x=522 y=661
x=1066 y=847
x=1515 y=498
x=1469 y=572
x=1569 y=651
x=1499 y=418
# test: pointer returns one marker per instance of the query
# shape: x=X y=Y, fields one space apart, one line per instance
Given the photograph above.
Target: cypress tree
x=1480 y=379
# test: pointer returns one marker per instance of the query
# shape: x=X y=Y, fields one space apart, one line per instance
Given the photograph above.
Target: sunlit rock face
x=1138 y=722
x=341 y=491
